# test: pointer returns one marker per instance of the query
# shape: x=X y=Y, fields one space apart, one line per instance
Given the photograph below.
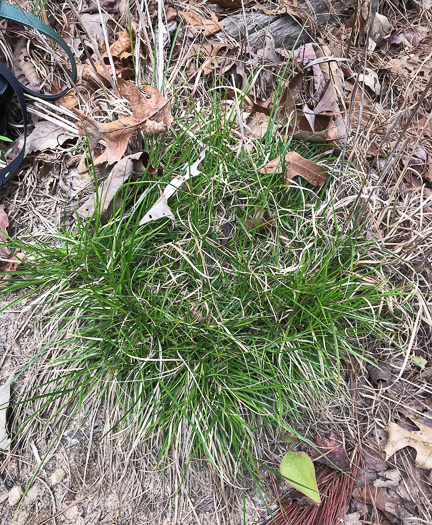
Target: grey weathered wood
x=285 y=29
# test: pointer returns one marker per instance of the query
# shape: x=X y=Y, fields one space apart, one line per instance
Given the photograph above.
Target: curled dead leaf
x=151 y=114
x=295 y=165
x=108 y=198
x=257 y=221
x=420 y=440
x=331 y=452
x=93 y=23
x=23 y=67
x=210 y=27
x=45 y=135
x=121 y=53
x=231 y=3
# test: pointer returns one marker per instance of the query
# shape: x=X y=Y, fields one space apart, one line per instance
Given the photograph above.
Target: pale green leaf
x=289 y=438
x=298 y=470
x=419 y=361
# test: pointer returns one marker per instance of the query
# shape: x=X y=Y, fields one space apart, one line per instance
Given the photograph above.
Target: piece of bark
x=285 y=29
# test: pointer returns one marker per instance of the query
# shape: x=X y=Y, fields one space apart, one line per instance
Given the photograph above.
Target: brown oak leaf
x=420 y=440
x=295 y=165
x=151 y=114
x=210 y=27
x=108 y=196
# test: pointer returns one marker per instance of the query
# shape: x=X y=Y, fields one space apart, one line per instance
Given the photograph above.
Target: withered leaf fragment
x=151 y=114
x=8 y=262
x=210 y=27
x=295 y=165
x=420 y=440
x=108 y=197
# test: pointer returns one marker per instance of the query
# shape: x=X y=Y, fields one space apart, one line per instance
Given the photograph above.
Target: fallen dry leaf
x=69 y=101
x=15 y=495
x=331 y=452
x=370 y=79
x=391 y=479
x=210 y=27
x=409 y=39
x=108 y=198
x=380 y=28
x=410 y=67
x=208 y=57
x=121 y=54
x=114 y=7
x=8 y=262
x=373 y=462
x=379 y=497
x=46 y=135
x=286 y=104
x=317 y=118
x=328 y=106
x=257 y=221
x=23 y=67
x=231 y=3
x=420 y=440
x=151 y=114
x=93 y=24
x=257 y=125
x=353 y=519
x=295 y=165
x=329 y=61
x=419 y=161
x=287 y=7
x=160 y=209
x=305 y=55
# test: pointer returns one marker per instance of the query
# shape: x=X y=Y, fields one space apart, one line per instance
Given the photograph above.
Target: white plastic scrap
x=4 y=402
x=161 y=209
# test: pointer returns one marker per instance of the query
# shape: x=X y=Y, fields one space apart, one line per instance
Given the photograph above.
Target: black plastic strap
x=14 y=13
x=7 y=172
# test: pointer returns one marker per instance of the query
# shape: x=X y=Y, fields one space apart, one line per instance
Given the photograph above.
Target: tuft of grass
x=192 y=340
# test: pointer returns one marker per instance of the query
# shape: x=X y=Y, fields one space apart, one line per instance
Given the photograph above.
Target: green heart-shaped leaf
x=298 y=470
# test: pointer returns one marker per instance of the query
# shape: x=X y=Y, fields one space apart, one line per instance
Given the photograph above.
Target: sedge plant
x=203 y=332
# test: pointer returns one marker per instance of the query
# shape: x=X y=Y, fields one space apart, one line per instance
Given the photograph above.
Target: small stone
x=57 y=476
x=15 y=495
x=72 y=514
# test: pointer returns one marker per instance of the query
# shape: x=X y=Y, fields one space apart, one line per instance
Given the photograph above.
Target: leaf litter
x=295 y=165
x=107 y=199
x=420 y=440
x=150 y=113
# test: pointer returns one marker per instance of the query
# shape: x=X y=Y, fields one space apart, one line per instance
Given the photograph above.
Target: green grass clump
x=206 y=342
